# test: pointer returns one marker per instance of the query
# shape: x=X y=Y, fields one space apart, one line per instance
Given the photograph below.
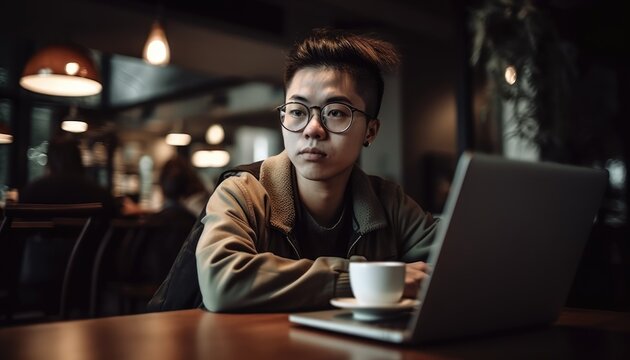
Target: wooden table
x=195 y=334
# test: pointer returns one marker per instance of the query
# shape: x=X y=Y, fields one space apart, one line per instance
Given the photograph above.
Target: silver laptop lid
x=508 y=245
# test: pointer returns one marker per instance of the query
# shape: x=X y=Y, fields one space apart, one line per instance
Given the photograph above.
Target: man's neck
x=323 y=199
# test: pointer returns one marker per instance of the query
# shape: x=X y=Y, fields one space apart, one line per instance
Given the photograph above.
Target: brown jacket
x=247 y=258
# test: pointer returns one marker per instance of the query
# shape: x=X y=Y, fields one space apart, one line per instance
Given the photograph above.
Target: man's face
x=317 y=154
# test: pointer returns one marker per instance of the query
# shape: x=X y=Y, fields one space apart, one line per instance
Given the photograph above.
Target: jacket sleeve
x=234 y=276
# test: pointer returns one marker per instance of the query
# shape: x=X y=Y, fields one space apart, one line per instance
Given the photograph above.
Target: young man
x=283 y=242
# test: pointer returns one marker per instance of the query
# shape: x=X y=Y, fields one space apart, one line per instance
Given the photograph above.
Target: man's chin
x=318 y=172
x=311 y=172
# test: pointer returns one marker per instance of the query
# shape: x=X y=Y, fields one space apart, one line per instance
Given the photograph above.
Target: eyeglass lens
x=335 y=117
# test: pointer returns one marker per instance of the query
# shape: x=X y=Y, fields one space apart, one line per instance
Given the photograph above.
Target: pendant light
x=73 y=122
x=510 y=75
x=212 y=157
x=178 y=137
x=156 y=49
x=215 y=134
x=61 y=70
x=5 y=134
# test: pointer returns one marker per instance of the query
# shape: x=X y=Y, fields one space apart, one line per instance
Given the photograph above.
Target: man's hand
x=414 y=274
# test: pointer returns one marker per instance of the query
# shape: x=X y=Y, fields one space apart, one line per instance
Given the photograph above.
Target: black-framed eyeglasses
x=335 y=117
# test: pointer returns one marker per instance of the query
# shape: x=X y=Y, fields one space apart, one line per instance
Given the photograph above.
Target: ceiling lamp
x=178 y=137
x=73 y=122
x=210 y=158
x=215 y=134
x=74 y=126
x=61 y=70
x=5 y=134
x=510 y=75
x=156 y=50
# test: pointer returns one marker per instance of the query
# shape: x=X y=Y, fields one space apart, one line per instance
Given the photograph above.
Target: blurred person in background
x=66 y=182
x=182 y=188
x=184 y=198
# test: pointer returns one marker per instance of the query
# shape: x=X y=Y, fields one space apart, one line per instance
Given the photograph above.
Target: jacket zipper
x=353 y=243
x=288 y=237
x=293 y=246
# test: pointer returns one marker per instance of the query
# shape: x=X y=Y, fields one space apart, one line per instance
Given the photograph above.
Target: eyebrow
x=328 y=100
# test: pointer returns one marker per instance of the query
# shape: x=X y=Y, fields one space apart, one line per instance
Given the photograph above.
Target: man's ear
x=372 y=130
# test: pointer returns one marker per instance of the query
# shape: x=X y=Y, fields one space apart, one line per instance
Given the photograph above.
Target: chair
x=60 y=225
x=133 y=259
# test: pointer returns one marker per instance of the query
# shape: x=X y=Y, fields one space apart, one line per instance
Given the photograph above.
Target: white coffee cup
x=377 y=282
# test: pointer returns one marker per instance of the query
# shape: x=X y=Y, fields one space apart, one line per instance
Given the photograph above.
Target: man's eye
x=296 y=113
x=336 y=113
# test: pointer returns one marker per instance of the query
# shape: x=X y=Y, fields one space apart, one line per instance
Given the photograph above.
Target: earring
x=366 y=143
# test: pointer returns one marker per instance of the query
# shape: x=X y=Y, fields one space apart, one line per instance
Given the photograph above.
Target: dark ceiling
x=215 y=45
x=220 y=44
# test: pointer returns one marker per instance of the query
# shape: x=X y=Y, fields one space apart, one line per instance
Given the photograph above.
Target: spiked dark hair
x=364 y=57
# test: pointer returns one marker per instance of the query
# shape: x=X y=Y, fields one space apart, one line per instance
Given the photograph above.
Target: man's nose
x=315 y=128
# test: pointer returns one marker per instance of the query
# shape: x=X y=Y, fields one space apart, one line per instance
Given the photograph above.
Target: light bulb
x=156 y=49
x=5 y=134
x=510 y=75
x=215 y=134
x=210 y=158
x=74 y=126
x=178 y=139
x=72 y=68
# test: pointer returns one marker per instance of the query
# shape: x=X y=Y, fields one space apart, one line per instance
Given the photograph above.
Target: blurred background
x=537 y=80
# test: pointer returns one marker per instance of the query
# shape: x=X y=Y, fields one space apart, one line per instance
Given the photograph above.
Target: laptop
x=505 y=254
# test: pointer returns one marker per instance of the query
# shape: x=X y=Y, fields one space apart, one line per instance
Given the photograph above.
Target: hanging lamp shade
x=5 y=134
x=61 y=70
x=73 y=122
x=215 y=158
x=178 y=137
x=156 y=50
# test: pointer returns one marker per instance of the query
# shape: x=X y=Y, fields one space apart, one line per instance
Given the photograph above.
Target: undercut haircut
x=363 y=57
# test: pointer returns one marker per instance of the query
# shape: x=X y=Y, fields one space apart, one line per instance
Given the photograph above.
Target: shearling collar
x=275 y=177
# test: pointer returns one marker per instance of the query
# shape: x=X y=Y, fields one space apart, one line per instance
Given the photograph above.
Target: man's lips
x=312 y=153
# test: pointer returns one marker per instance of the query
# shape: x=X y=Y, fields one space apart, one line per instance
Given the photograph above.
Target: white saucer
x=373 y=312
